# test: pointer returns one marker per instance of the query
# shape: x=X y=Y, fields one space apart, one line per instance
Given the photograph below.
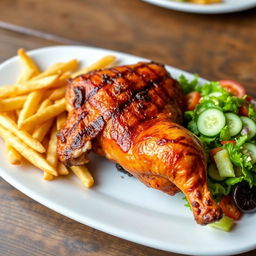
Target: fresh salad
x=223 y=116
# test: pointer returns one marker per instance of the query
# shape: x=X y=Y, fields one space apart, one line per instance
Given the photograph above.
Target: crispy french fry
x=58 y=68
x=44 y=104
x=101 y=63
x=17 y=112
x=12 y=155
x=12 y=103
x=62 y=81
x=49 y=112
x=40 y=132
x=32 y=156
x=12 y=115
x=28 y=62
x=69 y=107
x=9 y=124
x=26 y=87
x=51 y=155
x=31 y=68
x=58 y=93
x=48 y=176
x=25 y=75
x=7 y=91
x=45 y=142
x=45 y=82
x=84 y=175
x=48 y=92
x=30 y=106
x=62 y=169
x=61 y=119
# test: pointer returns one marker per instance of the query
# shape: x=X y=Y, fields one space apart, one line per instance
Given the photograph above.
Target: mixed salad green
x=224 y=119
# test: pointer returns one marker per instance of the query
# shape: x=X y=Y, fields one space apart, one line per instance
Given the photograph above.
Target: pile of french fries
x=34 y=109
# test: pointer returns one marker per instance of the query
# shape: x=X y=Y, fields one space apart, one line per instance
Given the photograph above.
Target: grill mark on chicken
x=90 y=131
x=108 y=80
x=188 y=145
x=157 y=83
x=124 y=139
x=79 y=96
x=61 y=136
x=66 y=132
x=140 y=95
x=164 y=141
x=77 y=142
x=136 y=95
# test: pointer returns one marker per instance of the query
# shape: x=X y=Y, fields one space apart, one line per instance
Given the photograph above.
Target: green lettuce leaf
x=252 y=112
x=186 y=85
x=224 y=133
x=218 y=189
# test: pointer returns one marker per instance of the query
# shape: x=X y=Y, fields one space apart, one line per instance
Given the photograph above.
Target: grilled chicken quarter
x=132 y=115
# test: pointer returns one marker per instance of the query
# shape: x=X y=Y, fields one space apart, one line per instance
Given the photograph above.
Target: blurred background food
x=201 y=1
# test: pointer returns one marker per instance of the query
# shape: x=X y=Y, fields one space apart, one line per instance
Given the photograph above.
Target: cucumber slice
x=211 y=121
x=214 y=173
x=224 y=164
x=225 y=224
x=249 y=123
x=250 y=150
x=215 y=94
x=234 y=123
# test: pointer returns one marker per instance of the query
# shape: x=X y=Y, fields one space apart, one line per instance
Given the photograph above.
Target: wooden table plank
x=214 y=46
x=10 y=42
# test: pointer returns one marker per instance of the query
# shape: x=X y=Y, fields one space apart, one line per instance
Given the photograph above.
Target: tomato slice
x=233 y=87
x=229 y=208
x=192 y=99
x=227 y=141
x=214 y=151
x=248 y=98
x=244 y=109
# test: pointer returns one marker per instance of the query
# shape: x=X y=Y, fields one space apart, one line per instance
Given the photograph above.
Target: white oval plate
x=118 y=204
x=226 y=6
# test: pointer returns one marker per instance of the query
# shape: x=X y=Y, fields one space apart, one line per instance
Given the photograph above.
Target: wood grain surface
x=214 y=46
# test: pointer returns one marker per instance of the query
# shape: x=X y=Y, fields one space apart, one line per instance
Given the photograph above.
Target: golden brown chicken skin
x=132 y=115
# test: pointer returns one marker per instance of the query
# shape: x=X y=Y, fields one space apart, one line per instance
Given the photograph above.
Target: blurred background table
x=214 y=46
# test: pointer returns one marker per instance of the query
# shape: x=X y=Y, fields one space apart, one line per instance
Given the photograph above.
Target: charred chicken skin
x=132 y=115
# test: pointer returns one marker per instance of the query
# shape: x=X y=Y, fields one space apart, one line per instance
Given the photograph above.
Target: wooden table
x=214 y=46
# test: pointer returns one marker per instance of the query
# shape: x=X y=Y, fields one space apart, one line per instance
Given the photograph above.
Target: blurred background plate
x=226 y=6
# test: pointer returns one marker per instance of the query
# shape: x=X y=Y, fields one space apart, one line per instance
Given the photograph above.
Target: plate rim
x=203 y=9
x=72 y=215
